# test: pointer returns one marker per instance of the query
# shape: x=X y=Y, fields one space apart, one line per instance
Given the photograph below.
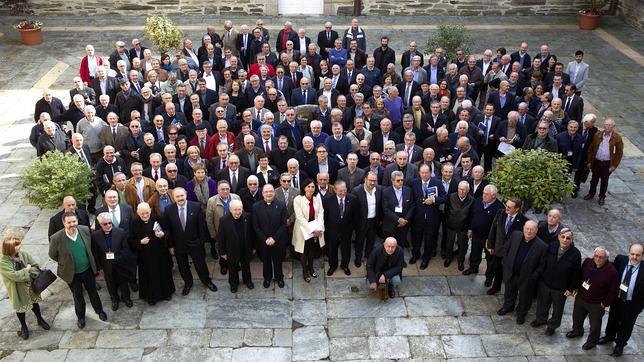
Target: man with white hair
x=120 y=53
x=52 y=140
x=90 y=127
x=603 y=156
x=326 y=39
x=81 y=88
x=587 y=131
x=236 y=244
x=284 y=35
x=50 y=104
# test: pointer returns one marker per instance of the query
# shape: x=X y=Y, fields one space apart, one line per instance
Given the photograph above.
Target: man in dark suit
x=104 y=84
x=284 y=35
x=629 y=302
x=405 y=60
x=369 y=198
x=303 y=95
x=326 y=39
x=207 y=97
x=234 y=174
x=522 y=267
x=323 y=163
x=573 y=104
x=428 y=194
x=292 y=129
x=186 y=232
x=484 y=211
x=458 y=211
x=69 y=205
x=115 y=135
x=505 y=223
x=561 y=277
x=403 y=165
x=449 y=183
x=127 y=100
x=521 y=56
x=137 y=49
x=398 y=208
x=113 y=259
x=569 y=145
x=378 y=137
x=487 y=123
x=502 y=100
x=269 y=223
x=237 y=244
x=341 y=214
x=50 y=104
x=384 y=54
x=407 y=88
x=587 y=132
x=121 y=214
x=282 y=83
x=249 y=154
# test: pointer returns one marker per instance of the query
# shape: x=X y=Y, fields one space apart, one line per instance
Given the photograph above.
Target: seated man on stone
x=384 y=267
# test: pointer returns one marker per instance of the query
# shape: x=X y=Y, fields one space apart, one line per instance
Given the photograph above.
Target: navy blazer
x=502 y=112
x=429 y=214
x=520 y=133
x=620 y=263
x=334 y=166
x=190 y=189
x=389 y=205
x=527 y=61
x=298 y=98
x=570 y=148
x=361 y=197
x=195 y=232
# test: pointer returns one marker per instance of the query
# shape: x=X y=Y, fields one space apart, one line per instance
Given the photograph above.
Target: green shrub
x=163 y=34
x=539 y=178
x=55 y=175
x=450 y=37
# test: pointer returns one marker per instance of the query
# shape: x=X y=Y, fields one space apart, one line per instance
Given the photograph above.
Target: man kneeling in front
x=385 y=265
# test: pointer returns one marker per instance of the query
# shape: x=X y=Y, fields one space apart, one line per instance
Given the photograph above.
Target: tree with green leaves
x=451 y=38
x=163 y=34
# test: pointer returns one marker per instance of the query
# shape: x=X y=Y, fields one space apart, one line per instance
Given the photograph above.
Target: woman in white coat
x=308 y=230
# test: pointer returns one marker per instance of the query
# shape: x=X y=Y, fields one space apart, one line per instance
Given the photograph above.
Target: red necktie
x=156 y=175
x=268 y=147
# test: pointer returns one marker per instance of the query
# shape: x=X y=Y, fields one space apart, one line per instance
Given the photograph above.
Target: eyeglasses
x=171 y=171
x=285 y=181
x=172 y=133
x=321 y=151
x=133 y=126
x=106 y=223
x=542 y=128
x=400 y=180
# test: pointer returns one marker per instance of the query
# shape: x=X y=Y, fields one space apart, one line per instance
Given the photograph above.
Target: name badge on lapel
x=109 y=255
x=585 y=285
x=623 y=287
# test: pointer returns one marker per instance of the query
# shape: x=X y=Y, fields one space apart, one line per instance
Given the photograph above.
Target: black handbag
x=42 y=281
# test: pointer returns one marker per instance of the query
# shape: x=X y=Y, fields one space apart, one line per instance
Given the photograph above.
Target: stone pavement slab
x=105 y=355
x=463 y=346
x=189 y=354
x=189 y=337
x=309 y=312
x=253 y=354
x=389 y=347
x=310 y=343
x=365 y=308
x=434 y=306
x=251 y=313
x=506 y=345
x=426 y=347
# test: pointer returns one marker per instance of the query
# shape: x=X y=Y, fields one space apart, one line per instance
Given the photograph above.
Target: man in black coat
x=428 y=194
x=484 y=211
x=113 y=257
x=561 y=278
x=69 y=205
x=384 y=55
x=237 y=244
x=522 y=267
x=326 y=39
x=458 y=211
x=50 y=104
x=121 y=215
x=487 y=123
x=505 y=223
x=341 y=214
x=398 y=208
x=269 y=223
x=385 y=265
x=370 y=216
x=587 y=131
x=54 y=139
x=186 y=232
x=629 y=302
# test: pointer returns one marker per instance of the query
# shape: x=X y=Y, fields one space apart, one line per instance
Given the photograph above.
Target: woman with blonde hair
x=17 y=269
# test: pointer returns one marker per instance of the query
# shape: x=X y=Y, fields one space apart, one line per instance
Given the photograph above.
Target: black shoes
x=520 y=320
x=224 y=270
x=358 y=264
x=391 y=290
x=267 y=283
x=313 y=273
x=306 y=276
x=233 y=288
x=488 y=283
x=413 y=260
x=602 y=201
x=549 y=331
x=80 y=323
x=23 y=333
x=102 y=316
x=573 y=334
x=186 y=290
x=589 y=197
x=134 y=287
x=493 y=290
x=330 y=271
x=469 y=271
x=618 y=351
x=115 y=305
x=588 y=345
x=250 y=285
x=346 y=270
x=280 y=283
x=447 y=262
x=211 y=286
x=536 y=324
x=461 y=266
x=129 y=303
x=424 y=265
x=604 y=340
x=44 y=325
x=504 y=311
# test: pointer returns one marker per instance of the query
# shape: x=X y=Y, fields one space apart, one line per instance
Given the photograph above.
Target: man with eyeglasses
x=323 y=163
x=600 y=283
x=541 y=140
x=107 y=167
x=303 y=95
x=282 y=83
x=398 y=208
x=560 y=280
x=230 y=109
x=127 y=101
x=286 y=193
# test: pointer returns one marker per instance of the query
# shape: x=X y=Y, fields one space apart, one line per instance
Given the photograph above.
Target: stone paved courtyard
x=440 y=315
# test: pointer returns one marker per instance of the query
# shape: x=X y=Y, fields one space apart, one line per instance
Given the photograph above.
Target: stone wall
x=633 y=11
x=472 y=7
x=146 y=7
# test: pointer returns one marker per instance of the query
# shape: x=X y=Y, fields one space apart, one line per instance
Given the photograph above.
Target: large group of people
x=312 y=148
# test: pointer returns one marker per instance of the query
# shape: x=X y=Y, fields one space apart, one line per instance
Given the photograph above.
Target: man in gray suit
x=286 y=193
x=409 y=170
x=71 y=249
x=578 y=71
x=351 y=174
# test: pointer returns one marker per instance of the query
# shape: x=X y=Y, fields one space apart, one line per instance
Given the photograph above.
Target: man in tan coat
x=604 y=155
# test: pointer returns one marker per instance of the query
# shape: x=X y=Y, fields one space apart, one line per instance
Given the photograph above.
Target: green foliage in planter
x=55 y=175
x=162 y=32
x=540 y=178
x=450 y=37
x=595 y=6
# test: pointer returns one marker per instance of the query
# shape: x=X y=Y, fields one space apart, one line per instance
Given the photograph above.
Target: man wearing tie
x=629 y=302
x=121 y=214
x=326 y=39
x=487 y=123
x=408 y=88
x=505 y=223
x=186 y=232
x=116 y=134
x=303 y=95
x=343 y=212
x=398 y=208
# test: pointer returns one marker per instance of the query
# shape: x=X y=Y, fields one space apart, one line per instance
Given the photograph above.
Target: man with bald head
x=522 y=267
x=385 y=266
x=236 y=244
x=50 y=104
x=603 y=157
x=69 y=205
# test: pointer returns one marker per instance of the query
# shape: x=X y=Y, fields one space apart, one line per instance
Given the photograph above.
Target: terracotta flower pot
x=589 y=20
x=31 y=36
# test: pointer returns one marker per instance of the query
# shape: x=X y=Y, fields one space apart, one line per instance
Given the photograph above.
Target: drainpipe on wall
x=357 y=7
x=612 y=7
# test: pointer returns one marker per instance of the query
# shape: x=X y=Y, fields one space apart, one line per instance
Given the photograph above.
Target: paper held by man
x=505 y=148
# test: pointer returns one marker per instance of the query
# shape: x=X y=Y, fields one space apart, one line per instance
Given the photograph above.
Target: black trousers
x=198 y=256
x=595 y=312
x=600 y=172
x=580 y=177
x=488 y=153
x=547 y=297
x=365 y=237
x=80 y=281
x=621 y=319
x=272 y=258
x=234 y=267
x=345 y=252
x=426 y=236
x=476 y=252
x=525 y=291
x=494 y=270
x=116 y=283
x=400 y=234
x=461 y=239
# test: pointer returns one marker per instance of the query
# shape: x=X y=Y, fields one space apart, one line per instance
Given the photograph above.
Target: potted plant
x=589 y=16
x=538 y=177
x=53 y=176
x=163 y=34
x=30 y=30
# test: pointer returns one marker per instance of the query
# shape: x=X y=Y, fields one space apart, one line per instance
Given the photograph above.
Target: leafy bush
x=162 y=32
x=450 y=37
x=538 y=177
x=594 y=6
x=55 y=175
